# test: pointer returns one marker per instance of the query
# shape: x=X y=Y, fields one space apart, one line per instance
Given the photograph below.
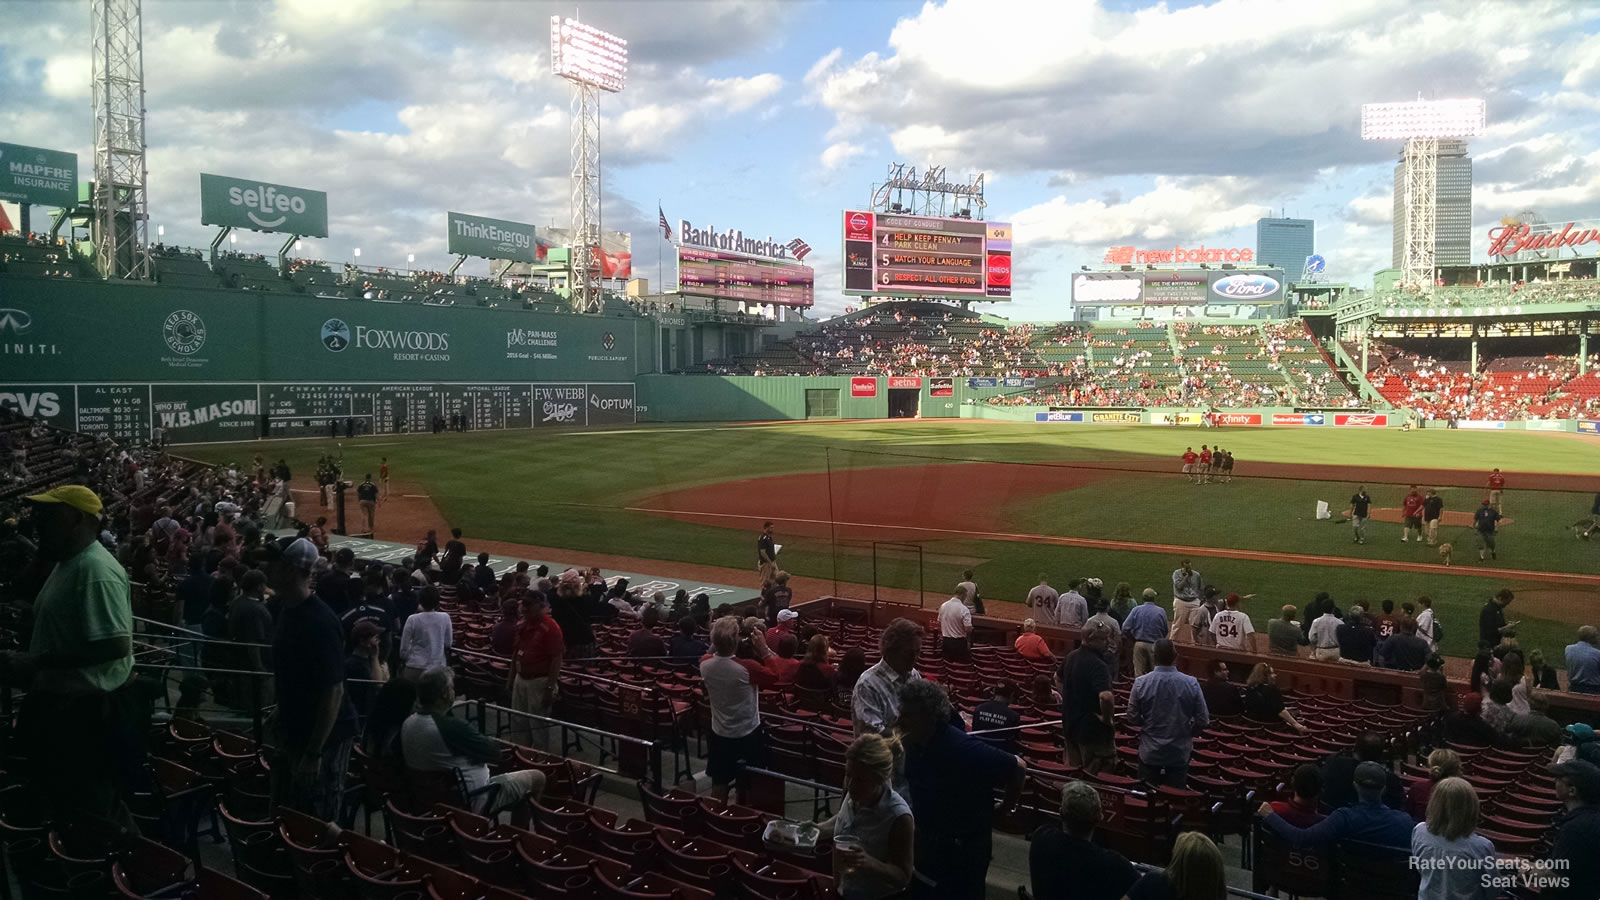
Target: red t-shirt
x=1205 y=456
x=786 y=668
x=1412 y=506
x=1190 y=457
x=1296 y=814
x=538 y=644
x=1497 y=482
x=1384 y=623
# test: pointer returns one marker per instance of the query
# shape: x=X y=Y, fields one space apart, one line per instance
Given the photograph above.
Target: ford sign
x=1245 y=286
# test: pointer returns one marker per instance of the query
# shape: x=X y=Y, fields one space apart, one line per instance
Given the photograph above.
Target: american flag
x=666 y=230
x=799 y=248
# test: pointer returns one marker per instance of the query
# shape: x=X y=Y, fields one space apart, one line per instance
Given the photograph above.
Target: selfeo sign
x=260 y=206
x=489 y=238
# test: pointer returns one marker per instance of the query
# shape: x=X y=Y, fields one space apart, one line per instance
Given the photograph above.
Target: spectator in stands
x=1121 y=602
x=967 y=590
x=875 y=700
x=1428 y=627
x=1323 y=633
x=1356 y=639
x=427 y=637
x=1541 y=675
x=1583 y=662
x=1436 y=693
x=1572 y=853
x=395 y=703
x=1145 y=625
x=952 y=777
x=373 y=607
x=644 y=642
x=787 y=665
x=316 y=721
x=1402 y=650
x=955 y=626
x=1064 y=863
x=1497 y=712
x=193 y=593
x=1263 y=700
x=535 y=671
x=1492 y=624
x=1169 y=709
x=572 y=610
x=503 y=637
x=1072 y=610
x=455 y=552
x=1451 y=856
x=214 y=624
x=1030 y=645
x=851 y=665
x=1042 y=601
x=815 y=672
x=364 y=670
x=1467 y=726
x=1367 y=820
x=1222 y=697
x=686 y=645
x=880 y=861
x=434 y=741
x=1187 y=589
x=1087 y=712
x=340 y=584
x=482 y=576
x=1338 y=773
x=786 y=621
x=618 y=604
x=1442 y=763
x=1283 y=634
x=700 y=609
x=777 y=596
x=1301 y=810
x=250 y=624
x=732 y=689
x=1194 y=872
x=996 y=714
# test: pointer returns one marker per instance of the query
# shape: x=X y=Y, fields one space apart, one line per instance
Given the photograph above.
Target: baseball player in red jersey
x=1204 y=469
x=1411 y=515
x=1497 y=486
x=1189 y=459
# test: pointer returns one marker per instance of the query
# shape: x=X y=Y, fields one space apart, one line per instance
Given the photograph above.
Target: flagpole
x=661 y=283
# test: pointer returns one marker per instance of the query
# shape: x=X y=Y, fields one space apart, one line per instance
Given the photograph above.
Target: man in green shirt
x=79 y=722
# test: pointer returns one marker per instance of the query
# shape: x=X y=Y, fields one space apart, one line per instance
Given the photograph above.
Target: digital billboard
x=895 y=255
x=1179 y=287
x=727 y=275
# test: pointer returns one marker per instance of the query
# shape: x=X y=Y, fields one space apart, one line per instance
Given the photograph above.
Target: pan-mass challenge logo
x=184 y=332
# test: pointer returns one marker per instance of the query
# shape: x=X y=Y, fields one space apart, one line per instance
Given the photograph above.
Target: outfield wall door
x=904 y=403
x=822 y=404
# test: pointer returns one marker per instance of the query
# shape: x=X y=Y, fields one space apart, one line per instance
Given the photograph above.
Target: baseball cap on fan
x=298 y=553
x=74 y=495
x=1370 y=775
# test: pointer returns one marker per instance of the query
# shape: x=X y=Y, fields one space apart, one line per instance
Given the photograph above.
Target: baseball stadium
x=427 y=584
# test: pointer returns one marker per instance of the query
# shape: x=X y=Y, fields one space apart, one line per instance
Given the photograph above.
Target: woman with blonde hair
x=1263 y=701
x=873 y=833
x=1442 y=763
x=1451 y=856
x=1195 y=872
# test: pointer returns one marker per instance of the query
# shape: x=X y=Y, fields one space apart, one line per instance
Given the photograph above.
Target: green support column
x=1583 y=352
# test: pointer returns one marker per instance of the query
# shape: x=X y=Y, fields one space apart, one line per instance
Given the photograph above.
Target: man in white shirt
x=1072 y=610
x=967 y=590
x=1425 y=629
x=1232 y=627
x=875 y=702
x=955 y=625
x=1186 y=590
x=1324 y=635
x=1042 y=600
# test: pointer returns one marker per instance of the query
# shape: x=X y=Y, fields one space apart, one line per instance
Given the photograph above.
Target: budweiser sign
x=1202 y=254
x=1509 y=240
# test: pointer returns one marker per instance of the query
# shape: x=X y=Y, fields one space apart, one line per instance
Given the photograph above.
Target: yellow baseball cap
x=74 y=495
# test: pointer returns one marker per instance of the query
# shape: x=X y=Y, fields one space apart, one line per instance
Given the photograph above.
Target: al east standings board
x=893 y=254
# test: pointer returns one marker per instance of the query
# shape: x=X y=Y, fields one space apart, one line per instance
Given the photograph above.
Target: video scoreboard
x=727 y=275
x=897 y=255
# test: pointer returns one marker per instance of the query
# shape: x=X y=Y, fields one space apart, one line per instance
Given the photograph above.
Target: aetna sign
x=732 y=240
x=1509 y=240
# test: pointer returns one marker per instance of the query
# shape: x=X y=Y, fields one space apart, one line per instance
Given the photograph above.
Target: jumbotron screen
x=737 y=276
x=892 y=254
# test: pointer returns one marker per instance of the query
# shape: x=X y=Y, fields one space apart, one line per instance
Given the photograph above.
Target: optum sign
x=261 y=206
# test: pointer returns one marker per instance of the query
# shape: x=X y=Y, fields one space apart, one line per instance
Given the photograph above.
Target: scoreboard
x=209 y=412
x=891 y=254
x=726 y=275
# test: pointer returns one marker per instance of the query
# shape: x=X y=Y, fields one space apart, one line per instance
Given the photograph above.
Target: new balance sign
x=259 y=206
x=1364 y=419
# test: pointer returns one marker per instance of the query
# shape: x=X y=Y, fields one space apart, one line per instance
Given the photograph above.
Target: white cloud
x=840 y=153
x=1185 y=210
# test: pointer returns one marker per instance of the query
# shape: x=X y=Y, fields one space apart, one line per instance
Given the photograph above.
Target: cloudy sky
x=1097 y=122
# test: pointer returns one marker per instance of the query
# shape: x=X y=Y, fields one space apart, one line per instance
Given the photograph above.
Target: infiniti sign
x=15 y=321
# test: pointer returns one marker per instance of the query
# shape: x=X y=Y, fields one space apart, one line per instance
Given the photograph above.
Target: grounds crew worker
x=79 y=723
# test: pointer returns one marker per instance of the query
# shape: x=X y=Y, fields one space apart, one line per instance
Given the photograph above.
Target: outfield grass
x=568 y=490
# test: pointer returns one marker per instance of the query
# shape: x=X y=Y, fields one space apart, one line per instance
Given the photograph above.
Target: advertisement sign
x=1179 y=293
x=727 y=275
x=1544 y=425
x=559 y=404
x=615 y=251
x=1182 y=288
x=1509 y=240
x=1299 y=419
x=732 y=240
x=1252 y=287
x=983 y=382
x=941 y=387
x=1056 y=416
x=1368 y=420
x=862 y=386
x=896 y=254
x=1182 y=418
x=1019 y=382
x=1588 y=426
x=194 y=413
x=34 y=175
x=905 y=381
x=260 y=206
x=1116 y=418
x=1224 y=418
x=1095 y=289
x=611 y=404
x=1481 y=424
x=468 y=235
x=55 y=405
x=1130 y=255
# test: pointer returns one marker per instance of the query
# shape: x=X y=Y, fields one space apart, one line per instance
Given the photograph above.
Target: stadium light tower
x=121 y=205
x=591 y=60
x=1420 y=124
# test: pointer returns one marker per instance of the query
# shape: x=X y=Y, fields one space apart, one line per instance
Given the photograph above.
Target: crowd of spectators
x=1506 y=388
x=1493 y=295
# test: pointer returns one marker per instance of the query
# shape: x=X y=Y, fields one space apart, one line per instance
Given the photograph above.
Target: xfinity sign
x=260 y=206
x=732 y=240
x=489 y=238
